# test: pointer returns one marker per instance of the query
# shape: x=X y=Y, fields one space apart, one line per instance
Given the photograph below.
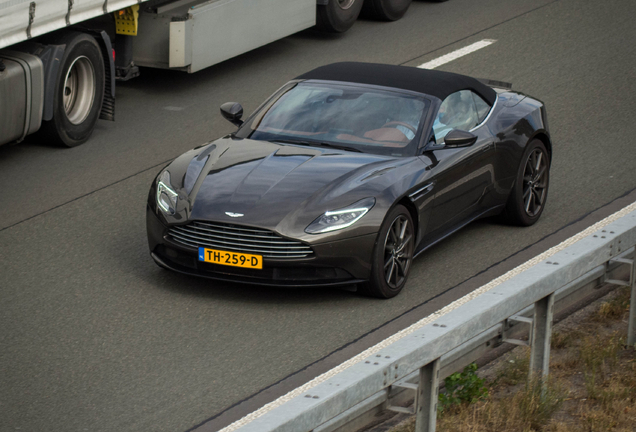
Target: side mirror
x=457 y=138
x=232 y=111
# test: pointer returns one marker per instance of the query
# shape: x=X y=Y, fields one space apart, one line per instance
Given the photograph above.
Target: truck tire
x=337 y=16
x=79 y=92
x=386 y=10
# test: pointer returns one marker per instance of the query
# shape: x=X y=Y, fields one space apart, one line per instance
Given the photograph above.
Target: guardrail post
x=426 y=415
x=631 y=326
x=541 y=335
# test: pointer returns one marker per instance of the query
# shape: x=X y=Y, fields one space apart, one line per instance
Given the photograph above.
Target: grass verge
x=592 y=385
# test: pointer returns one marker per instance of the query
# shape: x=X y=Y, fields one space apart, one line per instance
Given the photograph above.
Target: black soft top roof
x=436 y=83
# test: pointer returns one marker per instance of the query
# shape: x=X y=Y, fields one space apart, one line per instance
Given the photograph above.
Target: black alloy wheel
x=397 y=256
x=535 y=183
x=392 y=256
x=530 y=192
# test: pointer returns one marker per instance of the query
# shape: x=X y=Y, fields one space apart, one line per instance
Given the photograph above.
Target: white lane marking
x=457 y=54
x=424 y=321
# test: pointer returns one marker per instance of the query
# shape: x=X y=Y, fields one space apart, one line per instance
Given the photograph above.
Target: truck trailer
x=60 y=59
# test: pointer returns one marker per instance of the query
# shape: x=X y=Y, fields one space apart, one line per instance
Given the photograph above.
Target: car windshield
x=352 y=117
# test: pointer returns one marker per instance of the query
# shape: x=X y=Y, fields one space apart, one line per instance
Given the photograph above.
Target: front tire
x=530 y=191
x=337 y=16
x=392 y=255
x=79 y=92
x=386 y=10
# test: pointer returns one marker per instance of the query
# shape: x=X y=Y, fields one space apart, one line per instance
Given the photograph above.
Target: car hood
x=277 y=186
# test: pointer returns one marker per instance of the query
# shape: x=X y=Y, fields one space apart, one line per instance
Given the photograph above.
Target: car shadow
x=184 y=284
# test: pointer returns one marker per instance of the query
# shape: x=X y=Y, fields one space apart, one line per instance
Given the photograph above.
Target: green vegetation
x=464 y=387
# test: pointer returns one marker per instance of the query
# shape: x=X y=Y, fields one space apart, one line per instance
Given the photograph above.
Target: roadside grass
x=525 y=410
x=514 y=369
x=615 y=308
x=591 y=388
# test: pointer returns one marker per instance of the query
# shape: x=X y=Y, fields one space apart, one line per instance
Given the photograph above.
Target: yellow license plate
x=234 y=259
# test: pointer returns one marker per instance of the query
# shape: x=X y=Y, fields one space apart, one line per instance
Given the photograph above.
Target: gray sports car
x=348 y=172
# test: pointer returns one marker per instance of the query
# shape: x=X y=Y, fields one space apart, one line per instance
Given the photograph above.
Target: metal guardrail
x=493 y=312
x=568 y=299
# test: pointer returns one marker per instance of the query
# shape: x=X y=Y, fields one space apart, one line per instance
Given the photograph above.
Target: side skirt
x=424 y=245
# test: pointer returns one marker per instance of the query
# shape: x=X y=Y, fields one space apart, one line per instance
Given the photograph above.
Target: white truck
x=60 y=59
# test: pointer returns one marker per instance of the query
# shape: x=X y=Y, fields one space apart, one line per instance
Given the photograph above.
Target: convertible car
x=346 y=174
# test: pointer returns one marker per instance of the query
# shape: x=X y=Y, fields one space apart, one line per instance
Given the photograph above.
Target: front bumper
x=340 y=262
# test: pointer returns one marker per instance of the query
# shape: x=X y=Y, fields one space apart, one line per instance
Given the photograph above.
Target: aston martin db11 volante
x=346 y=173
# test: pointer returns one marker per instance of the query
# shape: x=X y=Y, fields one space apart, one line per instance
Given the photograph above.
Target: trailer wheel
x=337 y=16
x=79 y=92
x=386 y=10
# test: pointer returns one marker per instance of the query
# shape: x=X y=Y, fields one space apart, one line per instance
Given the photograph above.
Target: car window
x=482 y=107
x=369 y=119
x=457 y=111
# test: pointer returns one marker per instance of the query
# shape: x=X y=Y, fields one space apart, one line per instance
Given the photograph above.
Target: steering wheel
x=396 y=123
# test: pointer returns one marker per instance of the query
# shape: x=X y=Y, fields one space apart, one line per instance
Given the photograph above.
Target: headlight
x=166 y=196
x=339 y=219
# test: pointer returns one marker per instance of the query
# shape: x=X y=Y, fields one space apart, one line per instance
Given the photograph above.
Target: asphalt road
x=95 y=337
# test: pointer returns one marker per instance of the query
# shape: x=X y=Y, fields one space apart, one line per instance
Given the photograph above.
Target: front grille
x=238 y=239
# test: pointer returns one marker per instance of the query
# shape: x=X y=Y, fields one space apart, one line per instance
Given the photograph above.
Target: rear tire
x=386 y=10
x=530 y=191
x=392 y=255
x=338 y=15
x=79 y=92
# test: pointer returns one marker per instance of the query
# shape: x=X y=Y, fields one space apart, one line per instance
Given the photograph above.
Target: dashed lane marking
x=456 y=54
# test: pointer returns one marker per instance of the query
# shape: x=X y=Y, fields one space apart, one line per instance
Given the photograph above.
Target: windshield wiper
x=315 y=143
x=289 y=141
x=339 y=147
